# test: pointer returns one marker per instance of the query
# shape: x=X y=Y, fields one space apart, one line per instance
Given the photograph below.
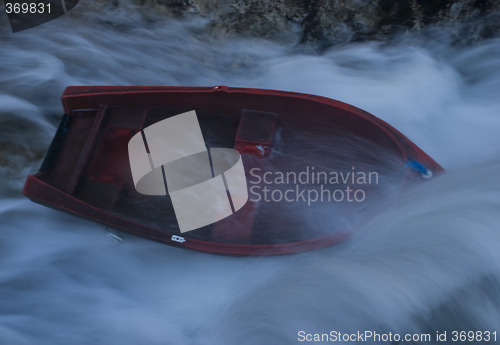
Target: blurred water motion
x=429 y=262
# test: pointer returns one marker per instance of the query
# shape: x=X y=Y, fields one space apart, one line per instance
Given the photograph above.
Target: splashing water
x=429 y=262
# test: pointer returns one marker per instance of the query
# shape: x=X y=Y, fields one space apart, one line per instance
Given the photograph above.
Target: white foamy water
x=428 y=262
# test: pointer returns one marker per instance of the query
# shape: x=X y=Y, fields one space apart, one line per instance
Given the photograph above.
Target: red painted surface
x=89 y=175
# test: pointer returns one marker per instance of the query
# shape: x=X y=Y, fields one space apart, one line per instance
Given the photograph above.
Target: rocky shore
x=322 y=23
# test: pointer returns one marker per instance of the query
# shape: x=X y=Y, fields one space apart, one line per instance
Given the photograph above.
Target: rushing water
x=429 y=262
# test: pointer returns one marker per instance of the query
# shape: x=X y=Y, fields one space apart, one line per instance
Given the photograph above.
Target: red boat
x=312 y=165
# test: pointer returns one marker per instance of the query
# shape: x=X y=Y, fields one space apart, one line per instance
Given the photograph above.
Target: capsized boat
x=223 y=170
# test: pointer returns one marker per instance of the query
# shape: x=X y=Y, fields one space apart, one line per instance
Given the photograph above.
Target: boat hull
x=87 y=171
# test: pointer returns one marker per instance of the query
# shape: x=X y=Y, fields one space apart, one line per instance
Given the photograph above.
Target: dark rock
x=322 y=23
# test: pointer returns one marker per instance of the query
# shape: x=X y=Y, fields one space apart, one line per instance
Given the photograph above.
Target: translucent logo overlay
x=205 y=185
